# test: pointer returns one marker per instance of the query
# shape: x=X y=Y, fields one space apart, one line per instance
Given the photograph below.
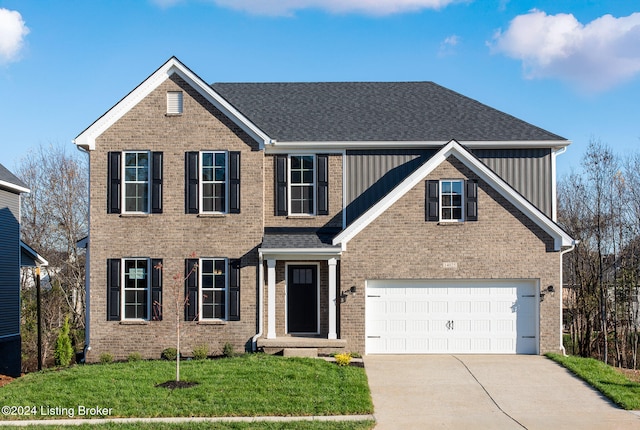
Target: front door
x=302 y=299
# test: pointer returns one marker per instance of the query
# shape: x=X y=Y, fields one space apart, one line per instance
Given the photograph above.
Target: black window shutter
x=156 y=289
x=322 y=184
x=191 y=183
x=471 y=187
x=234 y=182
x=234 y=290
x=113 y=182
x=191 y=290
x=156 y=182
x=113 y=289
x=281 y=185
x=432 y=200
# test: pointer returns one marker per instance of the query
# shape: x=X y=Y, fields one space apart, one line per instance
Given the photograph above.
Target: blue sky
x=569 y=66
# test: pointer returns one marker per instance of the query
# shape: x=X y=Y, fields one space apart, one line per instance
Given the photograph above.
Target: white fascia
x=13 y=187
x=290 y=254
x=283 y=147
x=87 y=139
x=561 y=238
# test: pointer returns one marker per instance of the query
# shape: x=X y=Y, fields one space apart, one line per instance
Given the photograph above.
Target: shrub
x=64 y=350
x=169 y=354
x=228 y=350
x=134 y=356
x=201 y=352
x=343 y=359
x=106 y=358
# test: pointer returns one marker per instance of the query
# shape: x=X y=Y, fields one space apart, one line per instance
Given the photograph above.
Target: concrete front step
x=320 y=345
x=300 y=352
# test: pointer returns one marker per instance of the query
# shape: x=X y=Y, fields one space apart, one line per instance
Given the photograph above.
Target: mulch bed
x=4 y=380
x=172 y=385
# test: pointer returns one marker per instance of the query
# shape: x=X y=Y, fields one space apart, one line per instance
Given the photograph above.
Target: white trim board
x=561 y=238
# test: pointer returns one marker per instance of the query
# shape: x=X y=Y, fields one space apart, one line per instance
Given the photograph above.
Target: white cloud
x=12 y=33
x=595 y=56
x=448 y=44
x=288 y=7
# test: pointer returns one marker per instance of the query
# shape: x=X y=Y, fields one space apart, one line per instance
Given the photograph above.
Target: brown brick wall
x=173 y=235
x=400 y=244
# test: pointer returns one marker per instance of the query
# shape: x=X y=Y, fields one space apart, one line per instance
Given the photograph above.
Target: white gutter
x=575 y=242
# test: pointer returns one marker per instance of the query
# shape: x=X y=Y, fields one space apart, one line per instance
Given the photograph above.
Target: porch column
x=271 y=299
x=332 y=299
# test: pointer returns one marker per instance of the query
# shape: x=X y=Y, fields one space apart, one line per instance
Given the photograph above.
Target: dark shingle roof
x=373 y=111
x=301 y=238
x=7 y=176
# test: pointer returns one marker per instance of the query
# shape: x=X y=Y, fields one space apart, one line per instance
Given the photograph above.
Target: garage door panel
x=462 y=316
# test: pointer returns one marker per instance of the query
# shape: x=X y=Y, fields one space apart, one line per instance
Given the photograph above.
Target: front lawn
x=259 y=425
x=250 y=385
x=604 y=378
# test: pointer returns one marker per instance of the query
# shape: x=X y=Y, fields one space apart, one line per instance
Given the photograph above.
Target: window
x=302 y=184
x=136 y=182
x=212 y=289
x=213 y=197
x=212 y=182
x=134 y=289
x=134 y=185
x=174 y=102
x=451 y=200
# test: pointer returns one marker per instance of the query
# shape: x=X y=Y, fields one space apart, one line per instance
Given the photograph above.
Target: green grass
x=250 y=385
x=261 y=425
x=604 y=378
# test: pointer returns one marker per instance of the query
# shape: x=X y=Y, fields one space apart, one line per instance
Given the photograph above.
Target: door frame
x=286 y=294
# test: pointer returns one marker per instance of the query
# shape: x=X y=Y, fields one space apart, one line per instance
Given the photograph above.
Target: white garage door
x=461 y=316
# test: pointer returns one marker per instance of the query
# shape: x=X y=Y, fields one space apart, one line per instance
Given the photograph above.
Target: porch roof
x=299 y=241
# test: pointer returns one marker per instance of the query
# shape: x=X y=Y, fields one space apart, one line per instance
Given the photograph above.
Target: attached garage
x=452 y=317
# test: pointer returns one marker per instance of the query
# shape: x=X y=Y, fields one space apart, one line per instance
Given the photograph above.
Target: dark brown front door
x=302 y=299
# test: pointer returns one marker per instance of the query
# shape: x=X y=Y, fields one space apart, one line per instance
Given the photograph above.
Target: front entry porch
x=320 y=345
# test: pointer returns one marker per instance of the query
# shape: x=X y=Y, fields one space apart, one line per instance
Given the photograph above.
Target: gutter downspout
x=254 y=339
x=575 y=242
x=87 y=295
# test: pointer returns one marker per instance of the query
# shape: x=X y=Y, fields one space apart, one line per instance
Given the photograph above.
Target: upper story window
x=134 y=182
x=134 y=289
x=302 y=185
x=451 y=200
x=213 y=177
x=212 y=182
x=174 y=102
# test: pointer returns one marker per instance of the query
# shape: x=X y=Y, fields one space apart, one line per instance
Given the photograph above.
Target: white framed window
x=135 y=289
x=174 y=102
x=451 y=200
x=213 y=182
x=136 y=182
x=302 y=184
x=213 y=289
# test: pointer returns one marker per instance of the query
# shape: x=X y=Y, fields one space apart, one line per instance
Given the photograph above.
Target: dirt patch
x=4 y=380
x=632 y=375
x=177 y=384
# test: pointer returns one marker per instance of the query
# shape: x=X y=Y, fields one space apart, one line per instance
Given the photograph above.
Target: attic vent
x=174 y=102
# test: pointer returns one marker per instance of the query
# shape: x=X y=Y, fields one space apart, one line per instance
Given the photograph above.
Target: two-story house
x=10 y=252
x=363 y=216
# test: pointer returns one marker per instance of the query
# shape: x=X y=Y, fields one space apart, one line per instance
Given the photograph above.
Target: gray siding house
x=372 y=217
x=10 y=255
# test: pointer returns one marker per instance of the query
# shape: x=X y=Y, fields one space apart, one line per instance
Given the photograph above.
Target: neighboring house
x=10 y=254
x=367 y=217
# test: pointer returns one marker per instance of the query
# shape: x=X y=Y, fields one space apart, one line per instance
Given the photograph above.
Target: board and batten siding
x=371 y=174
x=9 y=264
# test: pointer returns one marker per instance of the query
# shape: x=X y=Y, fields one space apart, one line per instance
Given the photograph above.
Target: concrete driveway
x=485 y=392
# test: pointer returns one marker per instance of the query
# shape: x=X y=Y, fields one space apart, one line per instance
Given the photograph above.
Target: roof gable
x=375 y=112
x=561 y=238
x=87 y=139
x=11 y=182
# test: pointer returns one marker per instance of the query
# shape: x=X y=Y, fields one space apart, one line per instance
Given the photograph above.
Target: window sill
x=301 y=217
x=451 y=223
x=134 y=322
x=212 y=215
x=134 y=215
x=172 y=114
x=212 y=322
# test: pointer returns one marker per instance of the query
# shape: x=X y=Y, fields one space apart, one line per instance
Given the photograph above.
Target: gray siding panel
x=371 y=174
x=9 y=264
x=528 y=171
